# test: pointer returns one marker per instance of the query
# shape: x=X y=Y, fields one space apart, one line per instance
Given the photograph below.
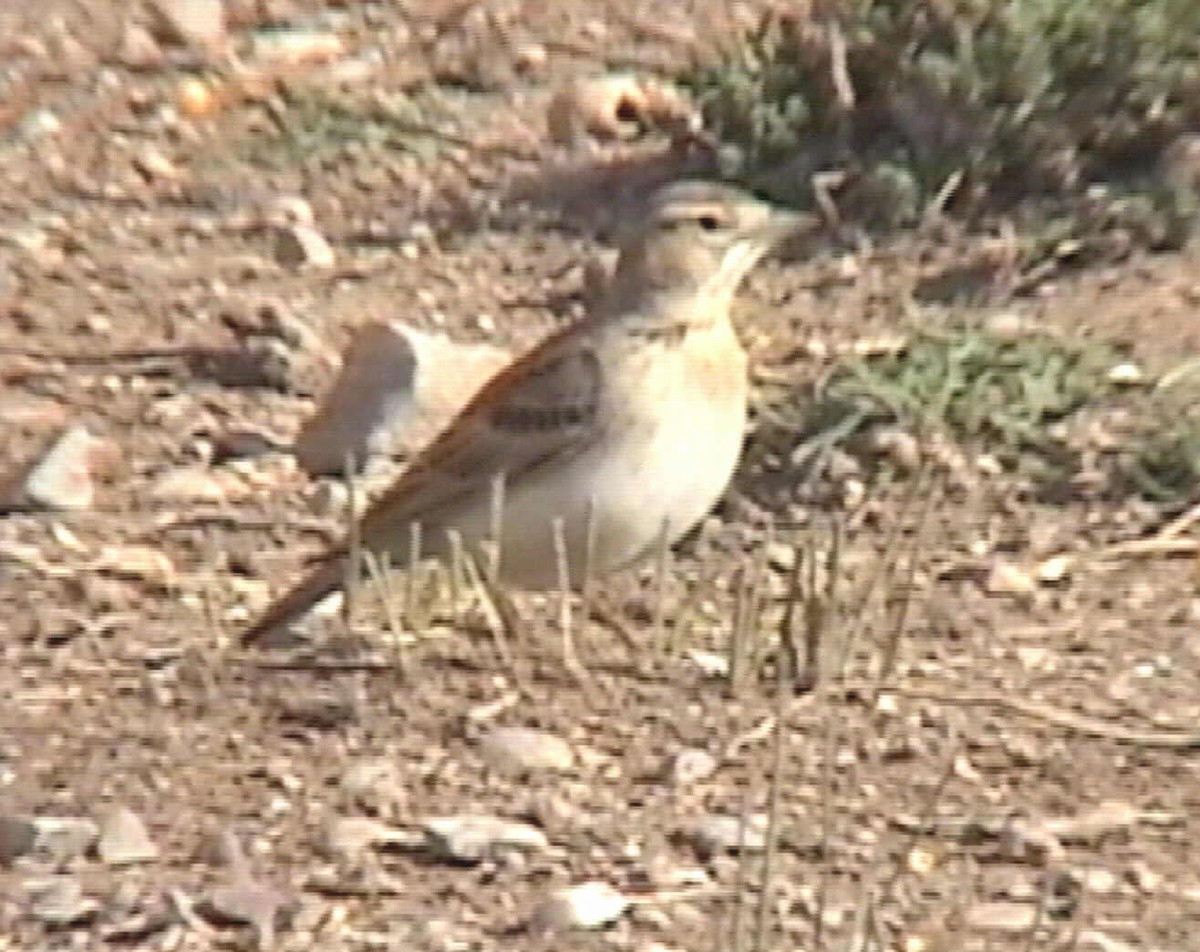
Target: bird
x=619 y=430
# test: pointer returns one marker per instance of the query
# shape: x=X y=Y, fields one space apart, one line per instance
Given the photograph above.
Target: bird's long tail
x=323 y=580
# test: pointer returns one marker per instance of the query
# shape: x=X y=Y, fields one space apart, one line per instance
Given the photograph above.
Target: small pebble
x=469 y=839
x=518 y=750
x=302 y=246
x=124 y=839
x=590 y=905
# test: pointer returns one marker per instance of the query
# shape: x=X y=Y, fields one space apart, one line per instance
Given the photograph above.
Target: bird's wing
x=542 y=408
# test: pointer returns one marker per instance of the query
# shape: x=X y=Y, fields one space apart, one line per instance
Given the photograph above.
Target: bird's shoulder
x=544 y=404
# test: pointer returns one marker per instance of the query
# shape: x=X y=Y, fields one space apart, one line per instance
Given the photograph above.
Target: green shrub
x=1010 y=99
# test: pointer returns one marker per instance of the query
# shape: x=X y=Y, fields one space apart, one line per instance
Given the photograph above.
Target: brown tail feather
x=324 y=580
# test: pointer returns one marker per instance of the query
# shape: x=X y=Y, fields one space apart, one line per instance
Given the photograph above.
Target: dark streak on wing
x=540 y=404
x=565 y=393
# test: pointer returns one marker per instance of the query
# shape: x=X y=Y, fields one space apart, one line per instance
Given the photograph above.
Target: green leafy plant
x=971 y=102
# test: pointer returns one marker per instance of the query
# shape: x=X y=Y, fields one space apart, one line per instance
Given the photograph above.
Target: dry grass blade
x=896 y=626
x=662 y=572
x=379 y=571
x=737 y=631
x=825 y=840
x=879 y=582
x=565 y=615
x=587 y=586
x=353 y=565
x=750 y=585
x=413 y=575
x=210 y=596
x=502 y=619
x=742 y=878
x=455 y=571
x=785 y=676
x=496 y=526
x=788 y=624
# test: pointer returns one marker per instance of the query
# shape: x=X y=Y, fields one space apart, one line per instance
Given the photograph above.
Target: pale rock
x=62 y=478
x=723 y=833
x=142 y=563
x=618 y=106
x=1005 y=578
x=1008 y=918
x=155 y=166
x=376 y=786
x=245 y=901
x=711 y=664
x=348 y=837
x=189 y=484
x=124 y=839
x=1093 y=940
x=517 y=750
x=472 y=838
x=58 y=901
x=63 y=838
x=139 y=49
x=897 y=445
x=691 y=765
x=290 y=47
x=284 y=211
x=303 y=246
x=590 y=905
x=195 y=23
x=1126 y=375
x=1090 y=827
x=398 y=387
x=1055 y=569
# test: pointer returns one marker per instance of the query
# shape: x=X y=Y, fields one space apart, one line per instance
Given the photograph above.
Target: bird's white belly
x=630 y=491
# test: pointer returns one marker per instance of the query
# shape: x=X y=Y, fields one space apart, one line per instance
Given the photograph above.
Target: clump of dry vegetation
x=964 y=104
x=1065 y=414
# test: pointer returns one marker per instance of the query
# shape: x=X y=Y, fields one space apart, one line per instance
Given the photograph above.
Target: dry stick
x=774 y=801
x=747 y=610
x=662 y=565
x=756 y=596
x=498 y=613
x=826 y=838
x=353 y=543
x=379 y=569
x=212 y=612
x=1080 y=723
x=1147 y=547
x=1081 y=907
x=737 y=633
x=860 y=937
x=788 y=623
x=815 y=636
x=587 y=586
x=743 y=873
x=814 y=607
x=891 y=646
x=1039 y=912
x=938 y=203
x=881 y=573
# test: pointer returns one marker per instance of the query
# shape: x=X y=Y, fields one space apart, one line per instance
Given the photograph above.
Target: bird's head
x=698 y=239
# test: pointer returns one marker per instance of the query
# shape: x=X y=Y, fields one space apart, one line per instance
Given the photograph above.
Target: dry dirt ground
x=1026 y=776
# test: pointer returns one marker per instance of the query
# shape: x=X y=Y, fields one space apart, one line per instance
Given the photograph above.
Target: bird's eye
x=709 y=222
